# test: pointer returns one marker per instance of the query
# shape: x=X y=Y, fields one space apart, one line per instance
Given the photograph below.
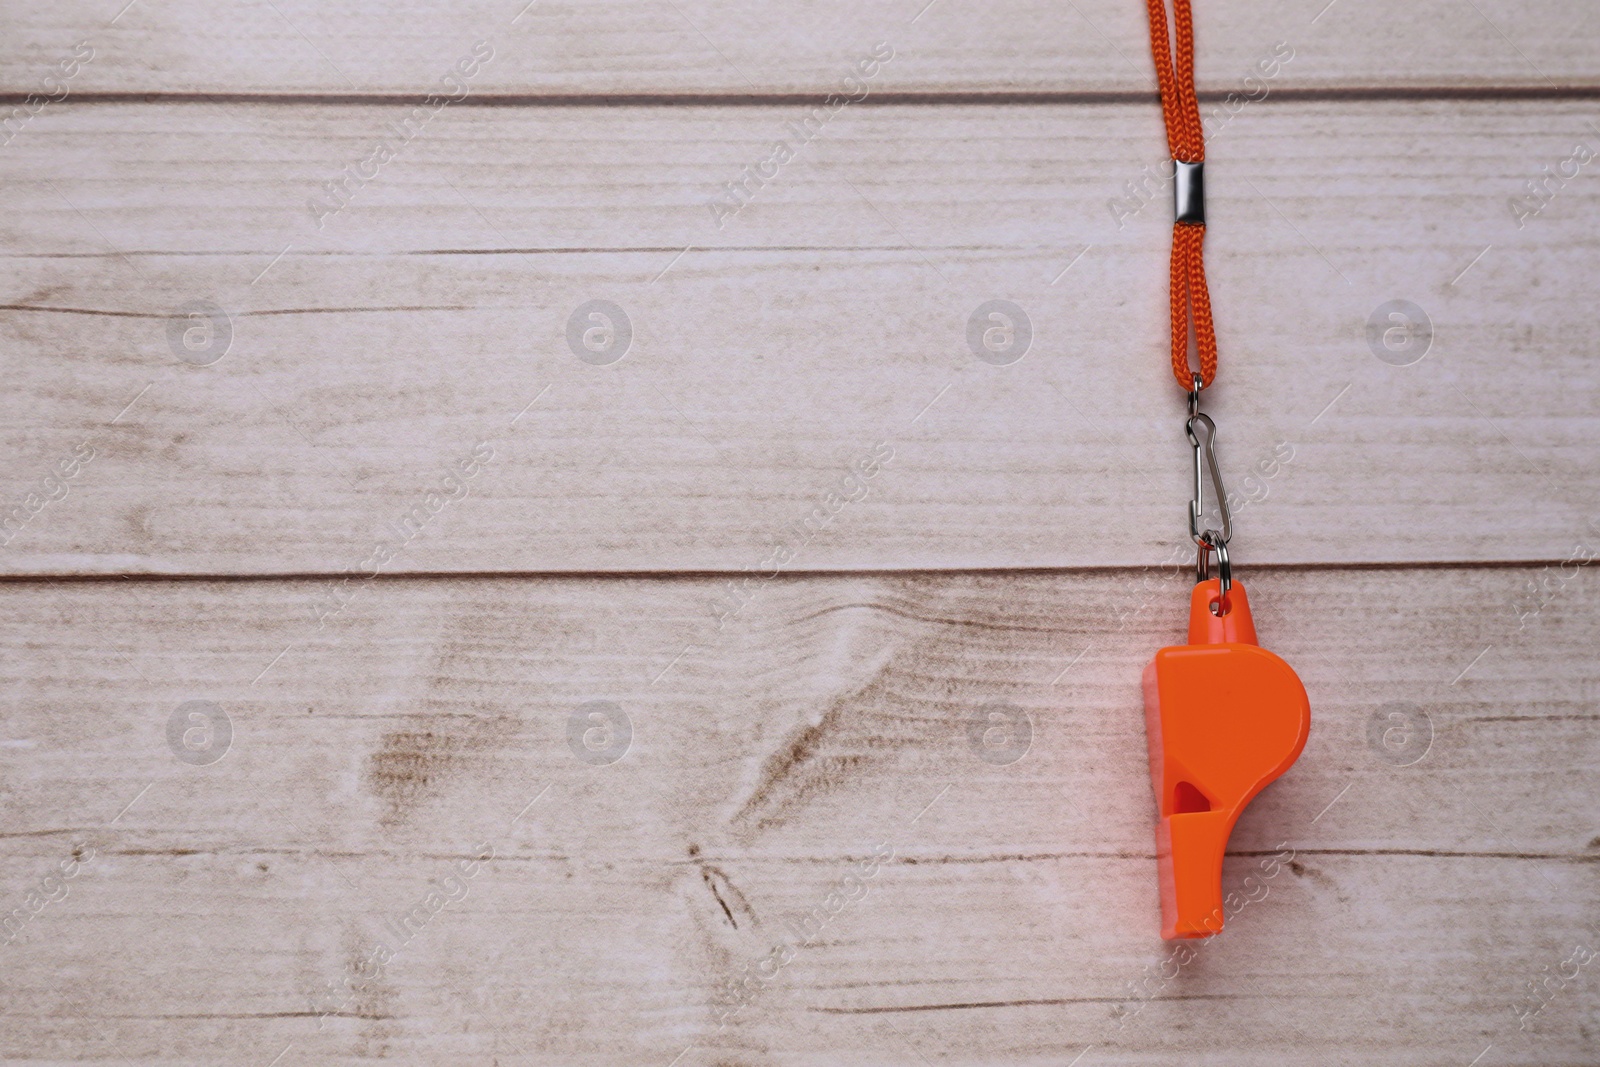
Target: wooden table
x=505 y=565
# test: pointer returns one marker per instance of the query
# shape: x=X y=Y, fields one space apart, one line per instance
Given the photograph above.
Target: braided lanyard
x=1191 y=302
x=1191 y=299
x=1223 y=716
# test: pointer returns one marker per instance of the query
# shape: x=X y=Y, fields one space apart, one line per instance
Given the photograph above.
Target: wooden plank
x=701 y=46
x=827 y=320
x=1433 y=875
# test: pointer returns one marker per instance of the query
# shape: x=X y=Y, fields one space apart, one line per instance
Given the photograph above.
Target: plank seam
x=787 y=576
x=1043 y=97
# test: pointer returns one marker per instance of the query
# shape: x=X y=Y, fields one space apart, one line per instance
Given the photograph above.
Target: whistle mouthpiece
x=1224 y=718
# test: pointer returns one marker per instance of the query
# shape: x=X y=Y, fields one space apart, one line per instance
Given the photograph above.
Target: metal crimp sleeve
x=1188 y=193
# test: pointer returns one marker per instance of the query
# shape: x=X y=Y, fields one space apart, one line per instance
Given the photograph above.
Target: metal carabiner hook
x=1197 y=505
x=1208 y=540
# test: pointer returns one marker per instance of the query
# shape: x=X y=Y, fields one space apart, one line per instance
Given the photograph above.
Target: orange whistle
x=1224 y=718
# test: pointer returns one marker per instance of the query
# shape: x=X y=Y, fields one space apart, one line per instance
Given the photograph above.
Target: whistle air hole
x=1220 y=606
x=1186 y=800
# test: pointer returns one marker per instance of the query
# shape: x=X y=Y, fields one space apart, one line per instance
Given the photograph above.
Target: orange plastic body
x=1224 y=718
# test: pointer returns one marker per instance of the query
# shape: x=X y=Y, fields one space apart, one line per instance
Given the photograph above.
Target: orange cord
x=1191 y=300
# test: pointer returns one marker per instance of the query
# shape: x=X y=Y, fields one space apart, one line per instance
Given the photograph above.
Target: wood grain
x=828 y=718
x=563 y=543
x=644 y=48
x=770 y=354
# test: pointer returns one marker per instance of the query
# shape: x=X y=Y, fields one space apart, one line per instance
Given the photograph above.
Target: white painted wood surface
x=769 y=354
x=563 y=48
x=828 y=717
x=1418 y=551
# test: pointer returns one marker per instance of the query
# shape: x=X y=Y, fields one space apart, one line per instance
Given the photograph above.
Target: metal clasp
x=1210 y=539
x=1189 y=192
